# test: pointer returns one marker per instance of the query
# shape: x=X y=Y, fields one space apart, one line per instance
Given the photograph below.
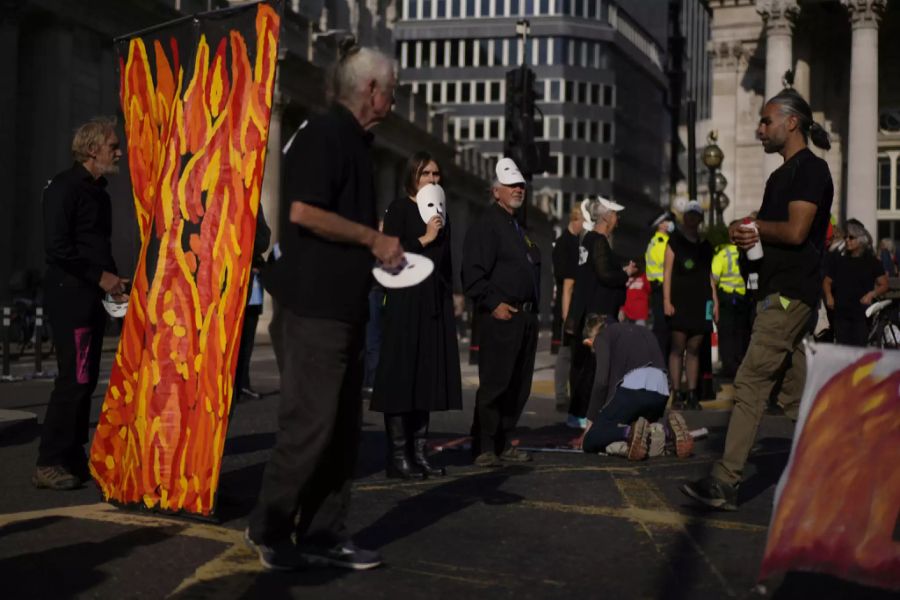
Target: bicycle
x=885 y=329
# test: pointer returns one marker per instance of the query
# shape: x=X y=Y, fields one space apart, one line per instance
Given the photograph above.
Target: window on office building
x=607 y=133
x=582 y=97
x=485 y=8
x=554 y=89
x=568 y=129
x=426 y=9
x=513 y=8
x=465 y=131
x=606 y=169
x=495 y=92
x=494 y=129
x=580 y=130
x=552 y=128
x=439 y=53
x=479 y=91
x=593 y=167
x=595 y=132
x=451 y=92
x=454 y=53
x=579 y=166
x=426 y=54
x=470 y=7
x=608 y=95
x=884 y=183
x=465 y=90
x=479 y=129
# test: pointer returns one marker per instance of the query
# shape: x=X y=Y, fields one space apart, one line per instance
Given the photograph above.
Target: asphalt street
x=565 y=525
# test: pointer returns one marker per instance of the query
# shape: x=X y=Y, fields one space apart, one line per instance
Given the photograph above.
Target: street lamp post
x=712 y=158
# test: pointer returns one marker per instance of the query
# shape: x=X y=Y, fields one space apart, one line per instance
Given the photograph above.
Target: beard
x=516 y=202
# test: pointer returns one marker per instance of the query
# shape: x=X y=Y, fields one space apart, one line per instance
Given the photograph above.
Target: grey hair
x=857 y=230
x=887 y=244
x=90 y=136
x=356 y=68
x=792 y=104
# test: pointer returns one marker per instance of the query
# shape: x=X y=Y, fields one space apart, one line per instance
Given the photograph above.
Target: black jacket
x=599 y=282
x=77 y=228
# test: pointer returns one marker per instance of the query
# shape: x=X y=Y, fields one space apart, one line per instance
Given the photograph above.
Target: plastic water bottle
x=756 y=252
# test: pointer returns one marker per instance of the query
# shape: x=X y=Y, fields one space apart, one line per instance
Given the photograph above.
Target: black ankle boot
x=693 y=401
x=420 y=440
x=678 y=400
x=398 y=463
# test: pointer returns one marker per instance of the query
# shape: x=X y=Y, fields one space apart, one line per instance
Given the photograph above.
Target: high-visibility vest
x=727 y=272
x=655 y=257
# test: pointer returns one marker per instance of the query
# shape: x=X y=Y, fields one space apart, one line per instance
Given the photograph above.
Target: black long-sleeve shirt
x=599 y=281
x=78 y=226
x=499 y=263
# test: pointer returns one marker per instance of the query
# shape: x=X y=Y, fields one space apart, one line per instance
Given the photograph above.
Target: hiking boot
x=488 y=460
x=657 y=444
x=712 y=492
x=680 y=435
x=345 y=555
x=639 y=439
x=55 y=477
x=513 y=454
x=283 y=556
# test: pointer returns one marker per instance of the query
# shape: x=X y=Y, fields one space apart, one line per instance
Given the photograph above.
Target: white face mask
x=670 y=227
x=586 y=213
x=431 y=201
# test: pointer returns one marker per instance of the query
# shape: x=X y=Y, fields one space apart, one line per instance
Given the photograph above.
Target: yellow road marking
x=643 y=494
x=217 y=578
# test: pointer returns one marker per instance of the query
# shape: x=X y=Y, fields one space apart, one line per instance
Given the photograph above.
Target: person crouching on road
x=630 y=394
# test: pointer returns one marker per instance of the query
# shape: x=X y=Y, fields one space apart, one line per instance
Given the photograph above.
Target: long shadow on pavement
x=422 y=510
x=66 y=571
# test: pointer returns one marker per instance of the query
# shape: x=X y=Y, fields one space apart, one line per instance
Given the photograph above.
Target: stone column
x=9 y=148
x=862 y=146
x=779 y=17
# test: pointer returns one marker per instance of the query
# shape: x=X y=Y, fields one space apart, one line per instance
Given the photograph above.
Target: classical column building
x=843 y=54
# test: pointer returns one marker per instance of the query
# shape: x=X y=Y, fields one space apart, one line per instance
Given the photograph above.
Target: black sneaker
x=345 y=555
x=712 y=492
x=283 y=556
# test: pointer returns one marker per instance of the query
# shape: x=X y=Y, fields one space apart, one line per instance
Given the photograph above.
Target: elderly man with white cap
x=599 y=289
x=501 y=273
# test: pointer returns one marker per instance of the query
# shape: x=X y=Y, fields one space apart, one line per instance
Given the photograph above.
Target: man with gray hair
x=80 y=269
x=321 y=282
x=501 y=273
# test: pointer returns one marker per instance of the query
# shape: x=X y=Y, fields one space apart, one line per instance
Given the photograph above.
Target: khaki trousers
x=775 y=355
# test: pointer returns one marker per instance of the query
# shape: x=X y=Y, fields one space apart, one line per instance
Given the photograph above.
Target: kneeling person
x=630 y=393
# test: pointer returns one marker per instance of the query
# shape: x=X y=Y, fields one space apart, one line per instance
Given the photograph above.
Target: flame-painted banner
x=838 y=501
x=196 y=95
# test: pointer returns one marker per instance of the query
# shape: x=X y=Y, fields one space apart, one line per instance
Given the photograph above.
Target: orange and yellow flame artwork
x=196 y=147
x=840 y=506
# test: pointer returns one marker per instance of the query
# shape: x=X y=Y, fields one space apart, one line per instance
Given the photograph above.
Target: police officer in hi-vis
x=655 y=258
x=734 y=309
x=501 y=273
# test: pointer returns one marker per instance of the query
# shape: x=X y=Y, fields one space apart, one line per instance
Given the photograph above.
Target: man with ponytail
x=791 y=224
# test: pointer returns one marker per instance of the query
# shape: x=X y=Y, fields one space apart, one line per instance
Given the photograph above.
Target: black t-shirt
x=852 y=278
x=795 y=271
x=329 y=166
x=565 y=262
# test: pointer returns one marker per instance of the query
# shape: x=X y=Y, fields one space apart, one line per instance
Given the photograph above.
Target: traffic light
x=530 y=156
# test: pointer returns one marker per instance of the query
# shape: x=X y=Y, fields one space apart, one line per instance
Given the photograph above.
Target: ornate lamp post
x=712 y=158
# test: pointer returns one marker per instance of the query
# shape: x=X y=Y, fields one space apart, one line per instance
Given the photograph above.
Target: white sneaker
x=617 y=449
x=657 y=440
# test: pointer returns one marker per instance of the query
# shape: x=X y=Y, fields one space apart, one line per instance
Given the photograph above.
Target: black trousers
x=581 y=377
x=851 y=331
x=660 y=324
x=245 y=350
x=734 y=331
x=623 y=410
x=319 y=422
x=78 y=322
x=505 y=370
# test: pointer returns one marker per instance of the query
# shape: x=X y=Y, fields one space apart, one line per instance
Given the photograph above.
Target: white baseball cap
x=693 y=206
x=609 y=204
x=508 y=173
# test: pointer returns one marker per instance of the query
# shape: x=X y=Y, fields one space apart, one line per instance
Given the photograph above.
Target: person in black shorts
x=690 y=301
x=852 y=281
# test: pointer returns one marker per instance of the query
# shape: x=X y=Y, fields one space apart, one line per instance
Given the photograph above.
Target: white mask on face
x=670 y=227
x=431 y=200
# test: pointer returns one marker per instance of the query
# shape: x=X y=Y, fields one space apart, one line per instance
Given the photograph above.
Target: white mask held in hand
x=431 y=200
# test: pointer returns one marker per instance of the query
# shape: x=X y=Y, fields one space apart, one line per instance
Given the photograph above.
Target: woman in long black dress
x=419 y=367
x=690 y=302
